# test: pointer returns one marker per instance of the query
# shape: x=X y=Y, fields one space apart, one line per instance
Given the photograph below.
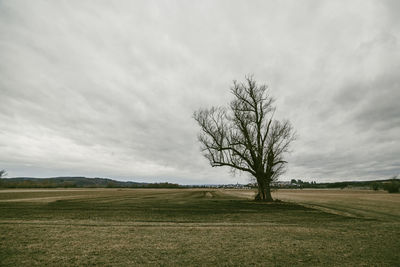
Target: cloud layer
x=109 y=88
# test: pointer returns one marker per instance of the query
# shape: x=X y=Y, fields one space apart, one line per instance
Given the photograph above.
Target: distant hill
x=76 y=182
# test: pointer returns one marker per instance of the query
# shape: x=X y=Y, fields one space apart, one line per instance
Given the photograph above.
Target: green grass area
x=120 y=227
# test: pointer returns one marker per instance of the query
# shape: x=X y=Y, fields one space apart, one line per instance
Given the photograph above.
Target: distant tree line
x=49 y=184
x=78 y=182
x=390 y=185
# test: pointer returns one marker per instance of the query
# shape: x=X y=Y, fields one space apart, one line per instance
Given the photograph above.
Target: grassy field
x=120 y=227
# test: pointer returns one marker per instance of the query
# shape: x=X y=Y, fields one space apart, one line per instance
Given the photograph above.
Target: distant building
x=281 y=184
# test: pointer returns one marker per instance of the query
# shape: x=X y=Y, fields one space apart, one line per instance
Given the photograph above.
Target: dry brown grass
x=115 y=227
x=358 y=203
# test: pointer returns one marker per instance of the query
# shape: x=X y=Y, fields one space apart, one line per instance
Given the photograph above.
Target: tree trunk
x=259 y=196
x=268 y=196
x=264 y=191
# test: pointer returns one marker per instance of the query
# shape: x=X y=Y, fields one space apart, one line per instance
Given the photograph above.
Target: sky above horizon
x=108 y=88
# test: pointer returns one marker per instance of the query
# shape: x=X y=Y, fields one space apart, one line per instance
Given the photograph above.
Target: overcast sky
x=108 y=88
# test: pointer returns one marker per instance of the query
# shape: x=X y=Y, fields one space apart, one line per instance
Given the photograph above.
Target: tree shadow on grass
x=182 y=207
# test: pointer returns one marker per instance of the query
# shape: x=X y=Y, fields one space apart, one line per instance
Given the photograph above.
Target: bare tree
x=245 y=136
x=3 y=173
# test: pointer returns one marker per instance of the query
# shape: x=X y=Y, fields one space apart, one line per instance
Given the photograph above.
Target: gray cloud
x=108 y=88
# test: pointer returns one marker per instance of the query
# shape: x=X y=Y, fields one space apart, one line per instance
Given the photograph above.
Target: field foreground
x=120 y=227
